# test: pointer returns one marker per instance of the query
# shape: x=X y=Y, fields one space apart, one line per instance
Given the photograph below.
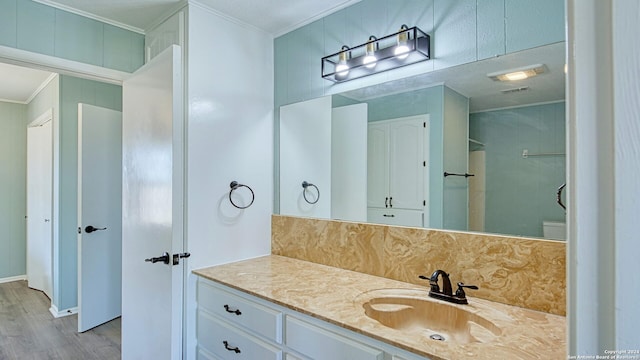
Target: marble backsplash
x=529 y=273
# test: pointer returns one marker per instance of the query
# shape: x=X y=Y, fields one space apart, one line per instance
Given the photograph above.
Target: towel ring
x=234 y=186
x=305 y=185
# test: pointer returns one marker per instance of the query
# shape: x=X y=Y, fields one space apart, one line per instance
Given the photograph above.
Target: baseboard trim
x=13 y=278
x=61 y=313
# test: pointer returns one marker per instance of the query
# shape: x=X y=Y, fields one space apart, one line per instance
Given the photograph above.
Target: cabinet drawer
x=252 y=316
x=395 y=217
x=320 y=344
x=221 y=339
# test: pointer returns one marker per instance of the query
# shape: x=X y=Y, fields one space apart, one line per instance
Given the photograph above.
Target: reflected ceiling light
x=370 y=58
x=406 y=47
x=402 y=50
x=518 y=73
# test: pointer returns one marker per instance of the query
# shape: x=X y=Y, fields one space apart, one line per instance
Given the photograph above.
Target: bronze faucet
x=447 y=293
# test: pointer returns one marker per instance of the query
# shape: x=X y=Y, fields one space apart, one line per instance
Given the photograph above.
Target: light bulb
x=402 y=50
x=370 y=59
x=342 y=69
x=518 y=75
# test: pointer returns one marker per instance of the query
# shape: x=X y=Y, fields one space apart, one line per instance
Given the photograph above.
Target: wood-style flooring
x=28 y=331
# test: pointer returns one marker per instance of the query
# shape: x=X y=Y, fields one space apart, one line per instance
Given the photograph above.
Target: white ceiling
x=20 y=84
x=272 y=16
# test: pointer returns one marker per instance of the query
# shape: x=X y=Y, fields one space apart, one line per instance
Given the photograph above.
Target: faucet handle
x=434 y=285
x=460 y=292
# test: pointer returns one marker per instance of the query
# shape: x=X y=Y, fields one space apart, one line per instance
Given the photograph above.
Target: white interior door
x=40 y=203
x=99 y=215
x=152 y=205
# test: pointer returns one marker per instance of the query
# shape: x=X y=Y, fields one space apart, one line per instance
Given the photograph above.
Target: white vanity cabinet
x=234 y=325
x=397 y=169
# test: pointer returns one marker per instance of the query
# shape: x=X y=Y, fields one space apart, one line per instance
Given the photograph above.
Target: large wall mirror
x=380 y=153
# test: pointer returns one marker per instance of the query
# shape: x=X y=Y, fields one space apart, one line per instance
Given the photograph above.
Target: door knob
x=164 y=258
x=89 y=229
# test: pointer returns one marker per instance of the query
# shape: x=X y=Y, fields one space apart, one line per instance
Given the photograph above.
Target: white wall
x=604 y=200
x=230 y=137
x=626 y=62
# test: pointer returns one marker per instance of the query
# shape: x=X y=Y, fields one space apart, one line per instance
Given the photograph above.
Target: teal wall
x=72 y=92
x=38 y=28
x=461 y=31
x=520 y=193
x=13 y=193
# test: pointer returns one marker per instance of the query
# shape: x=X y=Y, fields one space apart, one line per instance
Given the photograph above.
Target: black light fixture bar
x=417 y=42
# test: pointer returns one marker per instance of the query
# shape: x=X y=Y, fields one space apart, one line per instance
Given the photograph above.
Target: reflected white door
x=99 y=207
x=349 y=163
x=39 y=204
x=152 y=205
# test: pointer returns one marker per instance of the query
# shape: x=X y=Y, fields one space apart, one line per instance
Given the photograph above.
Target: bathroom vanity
x=276 y=307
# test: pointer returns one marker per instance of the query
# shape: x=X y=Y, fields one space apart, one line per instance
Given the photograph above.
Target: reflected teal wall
x=38 y=28
x=520 y=193
x=72 y=92
x=13 y=193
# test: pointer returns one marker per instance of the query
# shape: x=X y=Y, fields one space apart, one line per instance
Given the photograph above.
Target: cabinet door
x=406 y=164
x=320 y=344
x=377 y=165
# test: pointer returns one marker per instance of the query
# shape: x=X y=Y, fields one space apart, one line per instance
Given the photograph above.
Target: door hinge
x=177 y=257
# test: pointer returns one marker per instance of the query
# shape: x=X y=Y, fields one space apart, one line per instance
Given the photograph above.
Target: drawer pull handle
x=236 y=311
x=386 y=215
x=229 y=348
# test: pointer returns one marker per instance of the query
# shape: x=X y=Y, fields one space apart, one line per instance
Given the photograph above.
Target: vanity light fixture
x=518 y=73
x=407 y=46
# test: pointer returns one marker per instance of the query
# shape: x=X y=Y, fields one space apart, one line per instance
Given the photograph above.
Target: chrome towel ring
x=305 y=185
x=234 y=186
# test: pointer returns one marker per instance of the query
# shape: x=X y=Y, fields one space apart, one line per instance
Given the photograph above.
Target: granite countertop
x=335 y=295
